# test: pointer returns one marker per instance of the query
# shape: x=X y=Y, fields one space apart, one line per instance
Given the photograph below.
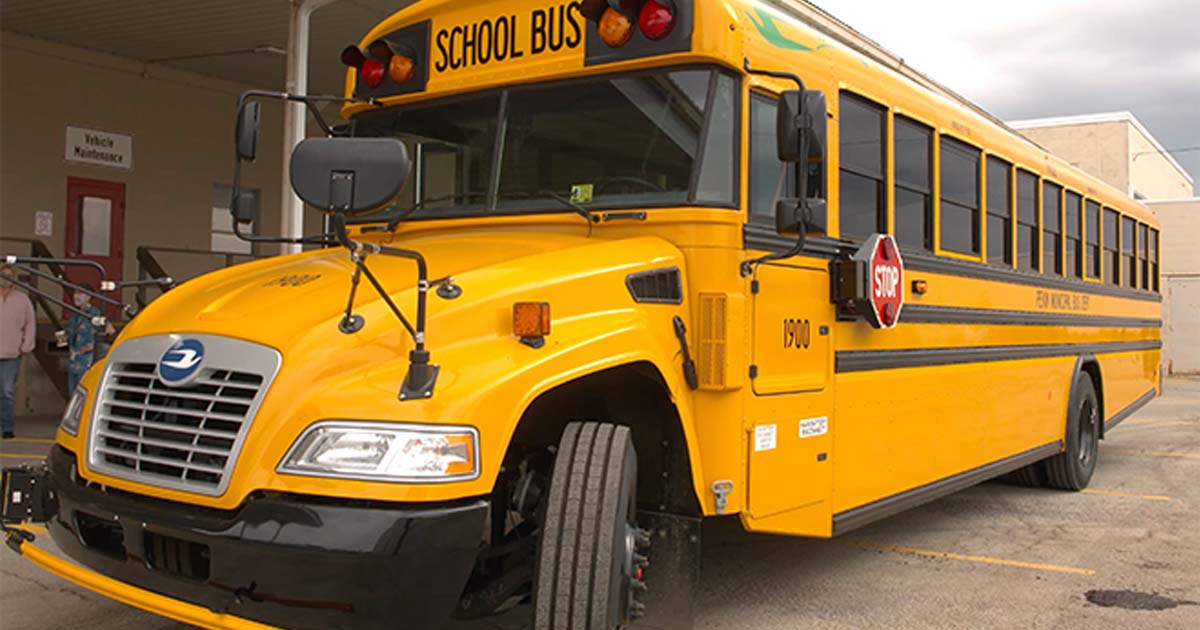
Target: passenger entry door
x=790 y=411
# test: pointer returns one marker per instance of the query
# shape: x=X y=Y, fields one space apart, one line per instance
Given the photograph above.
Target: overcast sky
x=1036 y=58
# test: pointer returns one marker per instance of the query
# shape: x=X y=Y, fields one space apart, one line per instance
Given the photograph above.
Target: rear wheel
x=1072 y=469
x=589 y=566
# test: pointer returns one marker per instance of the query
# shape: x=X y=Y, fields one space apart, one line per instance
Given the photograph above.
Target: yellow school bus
x=595 y=271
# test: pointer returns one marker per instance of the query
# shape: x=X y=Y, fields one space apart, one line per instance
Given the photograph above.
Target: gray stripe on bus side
x=887 y=506
x=867 y=360
x=928 y=314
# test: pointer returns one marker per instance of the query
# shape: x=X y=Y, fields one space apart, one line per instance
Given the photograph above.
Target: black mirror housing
x=353 y=176
x=790 y=125
x=244 y=207
x=817 y=113
x=789 y=218
x=247 y=131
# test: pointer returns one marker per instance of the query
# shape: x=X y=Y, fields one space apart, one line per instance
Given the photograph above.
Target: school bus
x=595 y=271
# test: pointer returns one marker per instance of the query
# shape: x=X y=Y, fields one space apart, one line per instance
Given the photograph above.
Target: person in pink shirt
x=18 y=330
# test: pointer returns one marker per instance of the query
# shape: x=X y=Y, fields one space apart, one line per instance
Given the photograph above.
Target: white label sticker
x=814 y=427
x=764 y=437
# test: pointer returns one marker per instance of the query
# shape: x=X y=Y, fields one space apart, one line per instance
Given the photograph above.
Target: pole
x=291 y=217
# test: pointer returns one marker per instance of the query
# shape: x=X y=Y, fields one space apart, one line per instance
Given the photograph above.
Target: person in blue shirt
x=81 y=338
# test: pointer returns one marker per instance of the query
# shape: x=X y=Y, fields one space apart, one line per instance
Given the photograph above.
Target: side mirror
x=244 y=207
x=247 y=131
x=349 y=175
x=801 y=115
x=790 y=124
x=789 y=219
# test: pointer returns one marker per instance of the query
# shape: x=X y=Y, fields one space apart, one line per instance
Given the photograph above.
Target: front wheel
x=1072 y=469
x=589 y=566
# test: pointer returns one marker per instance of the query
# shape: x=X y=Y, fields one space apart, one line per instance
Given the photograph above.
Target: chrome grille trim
x=185 y=438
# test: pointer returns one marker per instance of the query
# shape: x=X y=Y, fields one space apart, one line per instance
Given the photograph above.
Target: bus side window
x=1129 y=271
x=1027 y=223
x=1112 y=248
x=1073 y=231
x=1143 y=254
x=1154 y=253
x=1091 y=236
x=914 y=184
x=765 y=167
x=861 y=130
x=959 y=195
x=1052 y=228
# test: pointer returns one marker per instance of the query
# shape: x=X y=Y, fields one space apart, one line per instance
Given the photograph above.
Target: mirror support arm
x=747 y=267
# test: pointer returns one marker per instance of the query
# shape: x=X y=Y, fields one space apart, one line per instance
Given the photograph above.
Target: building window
x=959 y=213
x=861 y=180
x=1154 y=252
x=1027 y=224
x=1112 y=251
x=1129 y=271
x=223 y=238
x=765 y=167
x=914 y=184
x=1073 y=230
x=999 y=211
x=1091 y=236
x=1052 y=228
x=1143 y=248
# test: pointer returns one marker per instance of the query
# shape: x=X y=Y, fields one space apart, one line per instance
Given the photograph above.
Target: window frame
x=1009 y=257
x=1129 y=275
x=1035 y=241
x=1093 y=243
x=1073 y=254
x=1058 y=254
x=1112 y=254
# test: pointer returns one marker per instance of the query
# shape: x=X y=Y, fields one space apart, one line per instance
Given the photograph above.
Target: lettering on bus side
x=1063 y=301
x=509 y=37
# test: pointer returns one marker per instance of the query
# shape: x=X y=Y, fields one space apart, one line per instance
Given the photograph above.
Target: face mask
x=81 y=299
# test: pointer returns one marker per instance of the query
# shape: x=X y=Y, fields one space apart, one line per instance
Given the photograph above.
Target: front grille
x=184 y=437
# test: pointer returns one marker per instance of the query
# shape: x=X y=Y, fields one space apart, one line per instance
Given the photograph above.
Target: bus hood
x=294 y=303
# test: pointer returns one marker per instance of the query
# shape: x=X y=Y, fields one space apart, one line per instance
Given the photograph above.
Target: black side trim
x=921 y=261
x=866 y=360
x=928 y=314
x=756 y=236
x=765 y=237
x=887 y=506
x=1129 y=411
x=657 y=286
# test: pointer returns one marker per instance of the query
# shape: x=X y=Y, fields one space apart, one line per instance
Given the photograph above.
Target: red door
x=95 y=230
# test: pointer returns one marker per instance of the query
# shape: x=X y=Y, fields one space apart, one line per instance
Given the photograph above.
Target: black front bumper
x=293 y=562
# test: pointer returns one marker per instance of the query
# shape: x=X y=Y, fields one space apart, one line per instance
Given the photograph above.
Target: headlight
x=74 y=411
x=380 y=451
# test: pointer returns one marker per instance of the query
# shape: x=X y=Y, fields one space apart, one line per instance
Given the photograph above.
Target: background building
x=1118 y=149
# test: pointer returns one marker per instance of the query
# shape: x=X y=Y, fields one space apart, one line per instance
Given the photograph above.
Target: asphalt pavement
x=1125 y=553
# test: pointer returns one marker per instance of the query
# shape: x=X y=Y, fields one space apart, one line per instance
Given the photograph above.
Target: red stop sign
x=885 y=280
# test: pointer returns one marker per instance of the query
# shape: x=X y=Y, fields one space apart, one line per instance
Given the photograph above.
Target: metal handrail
x=149 y=268
x=38 y=249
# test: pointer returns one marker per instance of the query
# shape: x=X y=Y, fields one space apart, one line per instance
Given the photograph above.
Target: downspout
x=294 y=128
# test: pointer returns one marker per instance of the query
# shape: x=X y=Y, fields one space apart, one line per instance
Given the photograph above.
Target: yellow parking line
x=30 y=440
x=1129 y=451
x=21 y=456
x=1037 y=566
x=1167 y=423
x=1114 y=493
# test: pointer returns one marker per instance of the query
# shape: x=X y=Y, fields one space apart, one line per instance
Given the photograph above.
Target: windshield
x=662 y=138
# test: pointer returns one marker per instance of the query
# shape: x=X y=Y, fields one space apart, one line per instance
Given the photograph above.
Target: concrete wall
x=1152 y=174
x=182 y=128
x=1181 y=283
x=1101 y=149
x=182 y=132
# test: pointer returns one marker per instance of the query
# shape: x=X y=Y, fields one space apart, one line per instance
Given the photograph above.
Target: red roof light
x=657 y=19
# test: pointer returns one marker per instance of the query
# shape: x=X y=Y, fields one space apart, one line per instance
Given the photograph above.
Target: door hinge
x=754 y=287
x=721 y=490
x=753 y=371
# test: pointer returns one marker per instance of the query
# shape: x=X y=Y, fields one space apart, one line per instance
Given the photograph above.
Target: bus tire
x=1072 y=469
x=1032 y=475
x=588 y=566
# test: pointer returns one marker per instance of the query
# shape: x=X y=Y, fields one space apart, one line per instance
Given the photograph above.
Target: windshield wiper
x=565 y=201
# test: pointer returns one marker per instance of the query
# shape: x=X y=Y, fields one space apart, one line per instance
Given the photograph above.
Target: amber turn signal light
x=531 y=319
x=920 y=287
